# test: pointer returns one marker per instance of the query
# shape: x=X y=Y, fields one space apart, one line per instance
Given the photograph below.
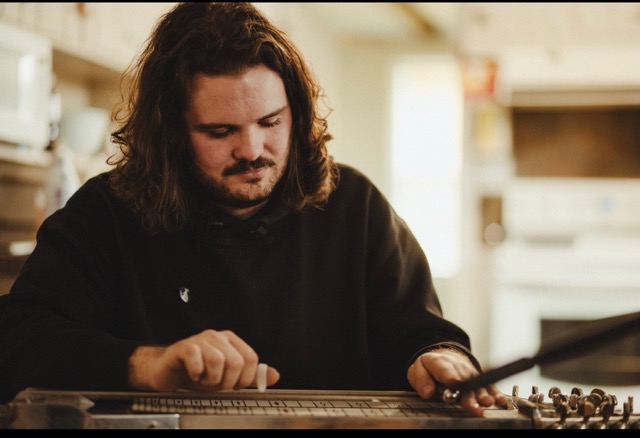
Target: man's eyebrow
x=274 y=113
x=206 y=126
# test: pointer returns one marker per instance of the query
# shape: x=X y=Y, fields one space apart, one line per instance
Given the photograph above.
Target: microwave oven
x=26 y=79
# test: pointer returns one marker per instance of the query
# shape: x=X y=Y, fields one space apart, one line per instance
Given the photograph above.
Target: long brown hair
x=153 y=171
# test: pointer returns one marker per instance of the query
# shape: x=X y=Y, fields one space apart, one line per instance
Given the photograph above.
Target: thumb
x=265 y=376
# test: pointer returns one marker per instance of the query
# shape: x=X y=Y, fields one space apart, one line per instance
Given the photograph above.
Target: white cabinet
x=107 y=34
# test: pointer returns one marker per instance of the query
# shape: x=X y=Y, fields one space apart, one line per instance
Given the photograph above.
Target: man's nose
x=250 y=145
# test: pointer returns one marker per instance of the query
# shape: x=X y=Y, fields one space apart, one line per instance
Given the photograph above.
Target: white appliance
x=571 y=212
x=25 y=87
x=572 y=252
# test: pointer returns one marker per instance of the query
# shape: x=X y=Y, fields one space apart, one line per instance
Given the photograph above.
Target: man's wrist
x=138 y=366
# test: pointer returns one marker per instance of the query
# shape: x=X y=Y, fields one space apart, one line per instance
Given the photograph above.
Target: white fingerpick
x=261 y=377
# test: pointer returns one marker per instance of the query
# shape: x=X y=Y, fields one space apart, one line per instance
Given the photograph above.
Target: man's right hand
x=208 y=361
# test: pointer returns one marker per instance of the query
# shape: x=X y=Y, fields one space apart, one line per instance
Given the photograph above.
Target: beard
x=221 y=194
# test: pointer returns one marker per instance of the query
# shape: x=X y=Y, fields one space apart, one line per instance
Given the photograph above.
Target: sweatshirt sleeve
x=54 y=323
x=407 y=317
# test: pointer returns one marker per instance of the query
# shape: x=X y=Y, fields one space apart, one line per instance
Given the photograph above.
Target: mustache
x=246 y=165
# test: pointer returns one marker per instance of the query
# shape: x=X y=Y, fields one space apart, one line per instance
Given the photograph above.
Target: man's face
x=240 y=131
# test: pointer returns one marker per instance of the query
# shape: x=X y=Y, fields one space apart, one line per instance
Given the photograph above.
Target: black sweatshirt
x=334 y=298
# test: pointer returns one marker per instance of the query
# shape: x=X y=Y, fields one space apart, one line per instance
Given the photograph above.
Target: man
x=226 y=236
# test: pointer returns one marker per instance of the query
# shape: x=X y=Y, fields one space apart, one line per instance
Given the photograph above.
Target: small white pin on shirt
x=261 y=377
x=184 y=294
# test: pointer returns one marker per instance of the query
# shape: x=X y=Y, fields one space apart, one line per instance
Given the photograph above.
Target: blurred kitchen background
x=506 y=134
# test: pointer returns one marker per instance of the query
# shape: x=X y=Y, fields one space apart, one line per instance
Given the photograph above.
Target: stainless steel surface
x=132 y=421
x=286 y=409
x=42 y=409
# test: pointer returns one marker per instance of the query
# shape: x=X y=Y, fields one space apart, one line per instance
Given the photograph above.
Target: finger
x=224 y=363
x=420 y=379
x=247 y=373
x=490 y=395
x=215 y=360
x=469 y=402
x=190 y=355
x=483 y=397
x=499 y=397
x=273 y=375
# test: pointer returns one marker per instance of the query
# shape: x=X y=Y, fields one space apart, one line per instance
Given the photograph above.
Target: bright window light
x=427 y=155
